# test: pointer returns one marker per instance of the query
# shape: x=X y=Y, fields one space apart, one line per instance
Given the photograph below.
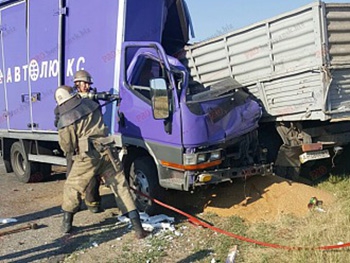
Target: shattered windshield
x=199 y=92
x=228 y=93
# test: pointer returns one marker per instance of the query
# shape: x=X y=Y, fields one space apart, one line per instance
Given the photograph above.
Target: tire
x=143 y=177
x=24 y=170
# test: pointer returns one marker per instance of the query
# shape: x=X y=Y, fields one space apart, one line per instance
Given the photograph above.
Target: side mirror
x=160 y=98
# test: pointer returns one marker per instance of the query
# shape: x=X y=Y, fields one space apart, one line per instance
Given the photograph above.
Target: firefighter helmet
x=63 y=94
x=83 y=75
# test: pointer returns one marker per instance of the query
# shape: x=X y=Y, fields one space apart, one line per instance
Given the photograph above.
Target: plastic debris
x=123 y=219
x=319 y=209
x=94 y=244
x=151 y=226
x=156 y=219
x=150 y=223
x=8 y=220
x=315 y=204
x=232 y=255
x=177 y=233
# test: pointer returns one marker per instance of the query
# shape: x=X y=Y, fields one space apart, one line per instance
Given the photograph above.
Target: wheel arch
x=134 y=152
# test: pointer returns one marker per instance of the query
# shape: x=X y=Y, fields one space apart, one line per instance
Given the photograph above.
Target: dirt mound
x=264 y=199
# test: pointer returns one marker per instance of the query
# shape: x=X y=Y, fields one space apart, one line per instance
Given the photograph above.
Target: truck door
x=136 y=106
x=14 y=73
x=43 y=60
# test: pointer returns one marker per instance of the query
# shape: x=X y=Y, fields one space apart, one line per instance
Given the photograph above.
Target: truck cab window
x=140 y=81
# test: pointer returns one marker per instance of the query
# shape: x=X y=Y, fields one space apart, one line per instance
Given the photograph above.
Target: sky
x=212 y=18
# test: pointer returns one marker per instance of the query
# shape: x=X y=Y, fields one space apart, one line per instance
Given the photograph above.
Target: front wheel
x=24 y=170
x=144 y=178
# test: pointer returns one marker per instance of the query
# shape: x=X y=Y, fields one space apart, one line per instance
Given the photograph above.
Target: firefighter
x=79 y=127
x=82 y=81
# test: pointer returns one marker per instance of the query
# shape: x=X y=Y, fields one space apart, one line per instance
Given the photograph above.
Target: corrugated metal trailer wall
x=290 y=62
x=338 y=30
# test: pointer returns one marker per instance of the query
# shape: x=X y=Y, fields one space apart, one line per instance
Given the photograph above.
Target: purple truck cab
x=207 y=134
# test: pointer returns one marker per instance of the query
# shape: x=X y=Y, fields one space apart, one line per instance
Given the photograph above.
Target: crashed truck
x=297 y=65
x=172 y=134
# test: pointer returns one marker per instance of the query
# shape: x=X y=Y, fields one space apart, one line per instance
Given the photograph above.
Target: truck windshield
x=197 y=92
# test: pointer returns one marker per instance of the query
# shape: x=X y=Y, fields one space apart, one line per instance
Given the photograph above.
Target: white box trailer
x=298 y=65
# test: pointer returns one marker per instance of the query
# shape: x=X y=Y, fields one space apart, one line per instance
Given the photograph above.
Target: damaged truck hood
x=220 y=112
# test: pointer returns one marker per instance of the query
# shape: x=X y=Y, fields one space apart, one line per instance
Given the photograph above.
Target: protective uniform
x=92 y=194
x=79 y=127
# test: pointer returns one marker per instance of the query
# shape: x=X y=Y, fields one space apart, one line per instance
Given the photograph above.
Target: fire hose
x=197 y=222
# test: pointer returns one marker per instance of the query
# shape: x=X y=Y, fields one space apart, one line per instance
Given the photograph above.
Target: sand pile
x=264 y=199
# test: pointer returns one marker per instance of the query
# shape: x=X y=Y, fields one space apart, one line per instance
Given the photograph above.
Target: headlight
x=202 y=157
x=215 y=156
x=190 y=159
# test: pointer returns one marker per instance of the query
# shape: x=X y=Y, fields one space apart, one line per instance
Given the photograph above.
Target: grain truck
x=170 y=132
x=297 y=65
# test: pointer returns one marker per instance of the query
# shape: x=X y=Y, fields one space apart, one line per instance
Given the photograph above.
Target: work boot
x=140 y=233
x=67 y=222
x=93 y=207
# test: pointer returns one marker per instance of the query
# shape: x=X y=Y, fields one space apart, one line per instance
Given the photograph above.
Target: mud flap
x=288 y=165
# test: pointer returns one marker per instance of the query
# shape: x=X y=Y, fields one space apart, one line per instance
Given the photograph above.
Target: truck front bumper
x=228 y=174
x=185 y=181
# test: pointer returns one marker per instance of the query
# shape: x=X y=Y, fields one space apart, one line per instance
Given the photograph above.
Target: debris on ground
x=160 y=222
x=315 y=205
x=232 y=255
